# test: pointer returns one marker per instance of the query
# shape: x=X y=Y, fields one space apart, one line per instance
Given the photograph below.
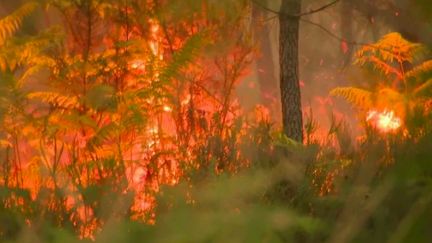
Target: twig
x=295 y=15
x=319 y=9
x=351 y=42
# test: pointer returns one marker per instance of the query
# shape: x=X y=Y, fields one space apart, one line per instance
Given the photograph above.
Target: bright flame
x=385 y=121
x=138 y=64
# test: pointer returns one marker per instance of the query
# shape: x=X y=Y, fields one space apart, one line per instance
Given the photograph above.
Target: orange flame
x=385 y=121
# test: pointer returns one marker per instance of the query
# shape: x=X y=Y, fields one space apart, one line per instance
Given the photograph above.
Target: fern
x=28 y=50
x=102 y=135
x=182 y=57
x=424 y=68
x=358 y=97
x=56 y=99
x=11 y=23
x=424 y=90
x=384 y=67
x=389 y=56
x=390 y=48
x=39 y=65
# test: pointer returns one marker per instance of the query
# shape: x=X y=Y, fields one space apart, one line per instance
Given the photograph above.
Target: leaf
x=78 y=120
x=390 y=48
x=420 y=70
x=424 y=90
x=56 y=99
x=29 y=52
x=103 y=134
x=11 y=23
x=182 y=57
x=101 y=97
x=358 y=97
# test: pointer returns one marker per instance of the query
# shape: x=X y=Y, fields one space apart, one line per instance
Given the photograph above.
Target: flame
x=138 y=64
x=385 y=121
x=167 y=108
x=144 y=147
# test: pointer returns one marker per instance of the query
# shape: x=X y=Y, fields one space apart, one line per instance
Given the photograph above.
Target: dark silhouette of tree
x=264 y=62
x=289 y=21
x=292 y=119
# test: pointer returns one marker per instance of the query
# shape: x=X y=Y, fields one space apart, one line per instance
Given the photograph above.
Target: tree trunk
x=265 y=65
x=289 y=75
x=347 y=31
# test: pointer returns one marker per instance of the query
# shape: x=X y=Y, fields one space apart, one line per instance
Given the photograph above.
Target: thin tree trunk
x=289 y=75
x=347 y=31
x=265 y=65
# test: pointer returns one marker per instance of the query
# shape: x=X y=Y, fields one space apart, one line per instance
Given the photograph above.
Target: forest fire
x=385 y=121
x=167 y=121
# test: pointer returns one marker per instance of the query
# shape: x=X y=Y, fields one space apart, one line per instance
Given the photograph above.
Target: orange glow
x=385 y=121
x=138 y=65
x=141 y=134
x=167 y=108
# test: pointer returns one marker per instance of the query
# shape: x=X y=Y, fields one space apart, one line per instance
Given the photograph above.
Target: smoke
x=327 y=54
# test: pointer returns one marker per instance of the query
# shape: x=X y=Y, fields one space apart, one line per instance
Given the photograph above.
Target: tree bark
x=289 y=70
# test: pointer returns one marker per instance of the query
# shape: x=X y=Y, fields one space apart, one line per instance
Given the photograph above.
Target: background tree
x=292 y=117
x=265 y=66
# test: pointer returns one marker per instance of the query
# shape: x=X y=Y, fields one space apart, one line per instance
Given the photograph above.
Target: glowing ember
x=385 y=121
x=138 y=64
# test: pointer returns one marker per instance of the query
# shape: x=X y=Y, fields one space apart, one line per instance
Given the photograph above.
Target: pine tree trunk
x=289 y=74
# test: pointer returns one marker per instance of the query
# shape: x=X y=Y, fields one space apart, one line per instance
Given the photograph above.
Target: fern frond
x=42 y=63
x=420 y=70
x=56 y=99
x=358 y=97
x=182 y=57
x=101 y=97
x=424 y=90
x=10 y=24
x=135 y=118
x=28 y=50
x=383 y=67
x=390 y=48
x=103 y=134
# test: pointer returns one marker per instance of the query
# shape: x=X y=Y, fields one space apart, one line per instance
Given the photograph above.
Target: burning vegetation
x=121 y=121
x=385 y=121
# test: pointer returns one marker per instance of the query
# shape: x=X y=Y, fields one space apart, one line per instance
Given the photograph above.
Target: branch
x=319 y=9
x=350 y=42
x=266 y=8
x=295 y=15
